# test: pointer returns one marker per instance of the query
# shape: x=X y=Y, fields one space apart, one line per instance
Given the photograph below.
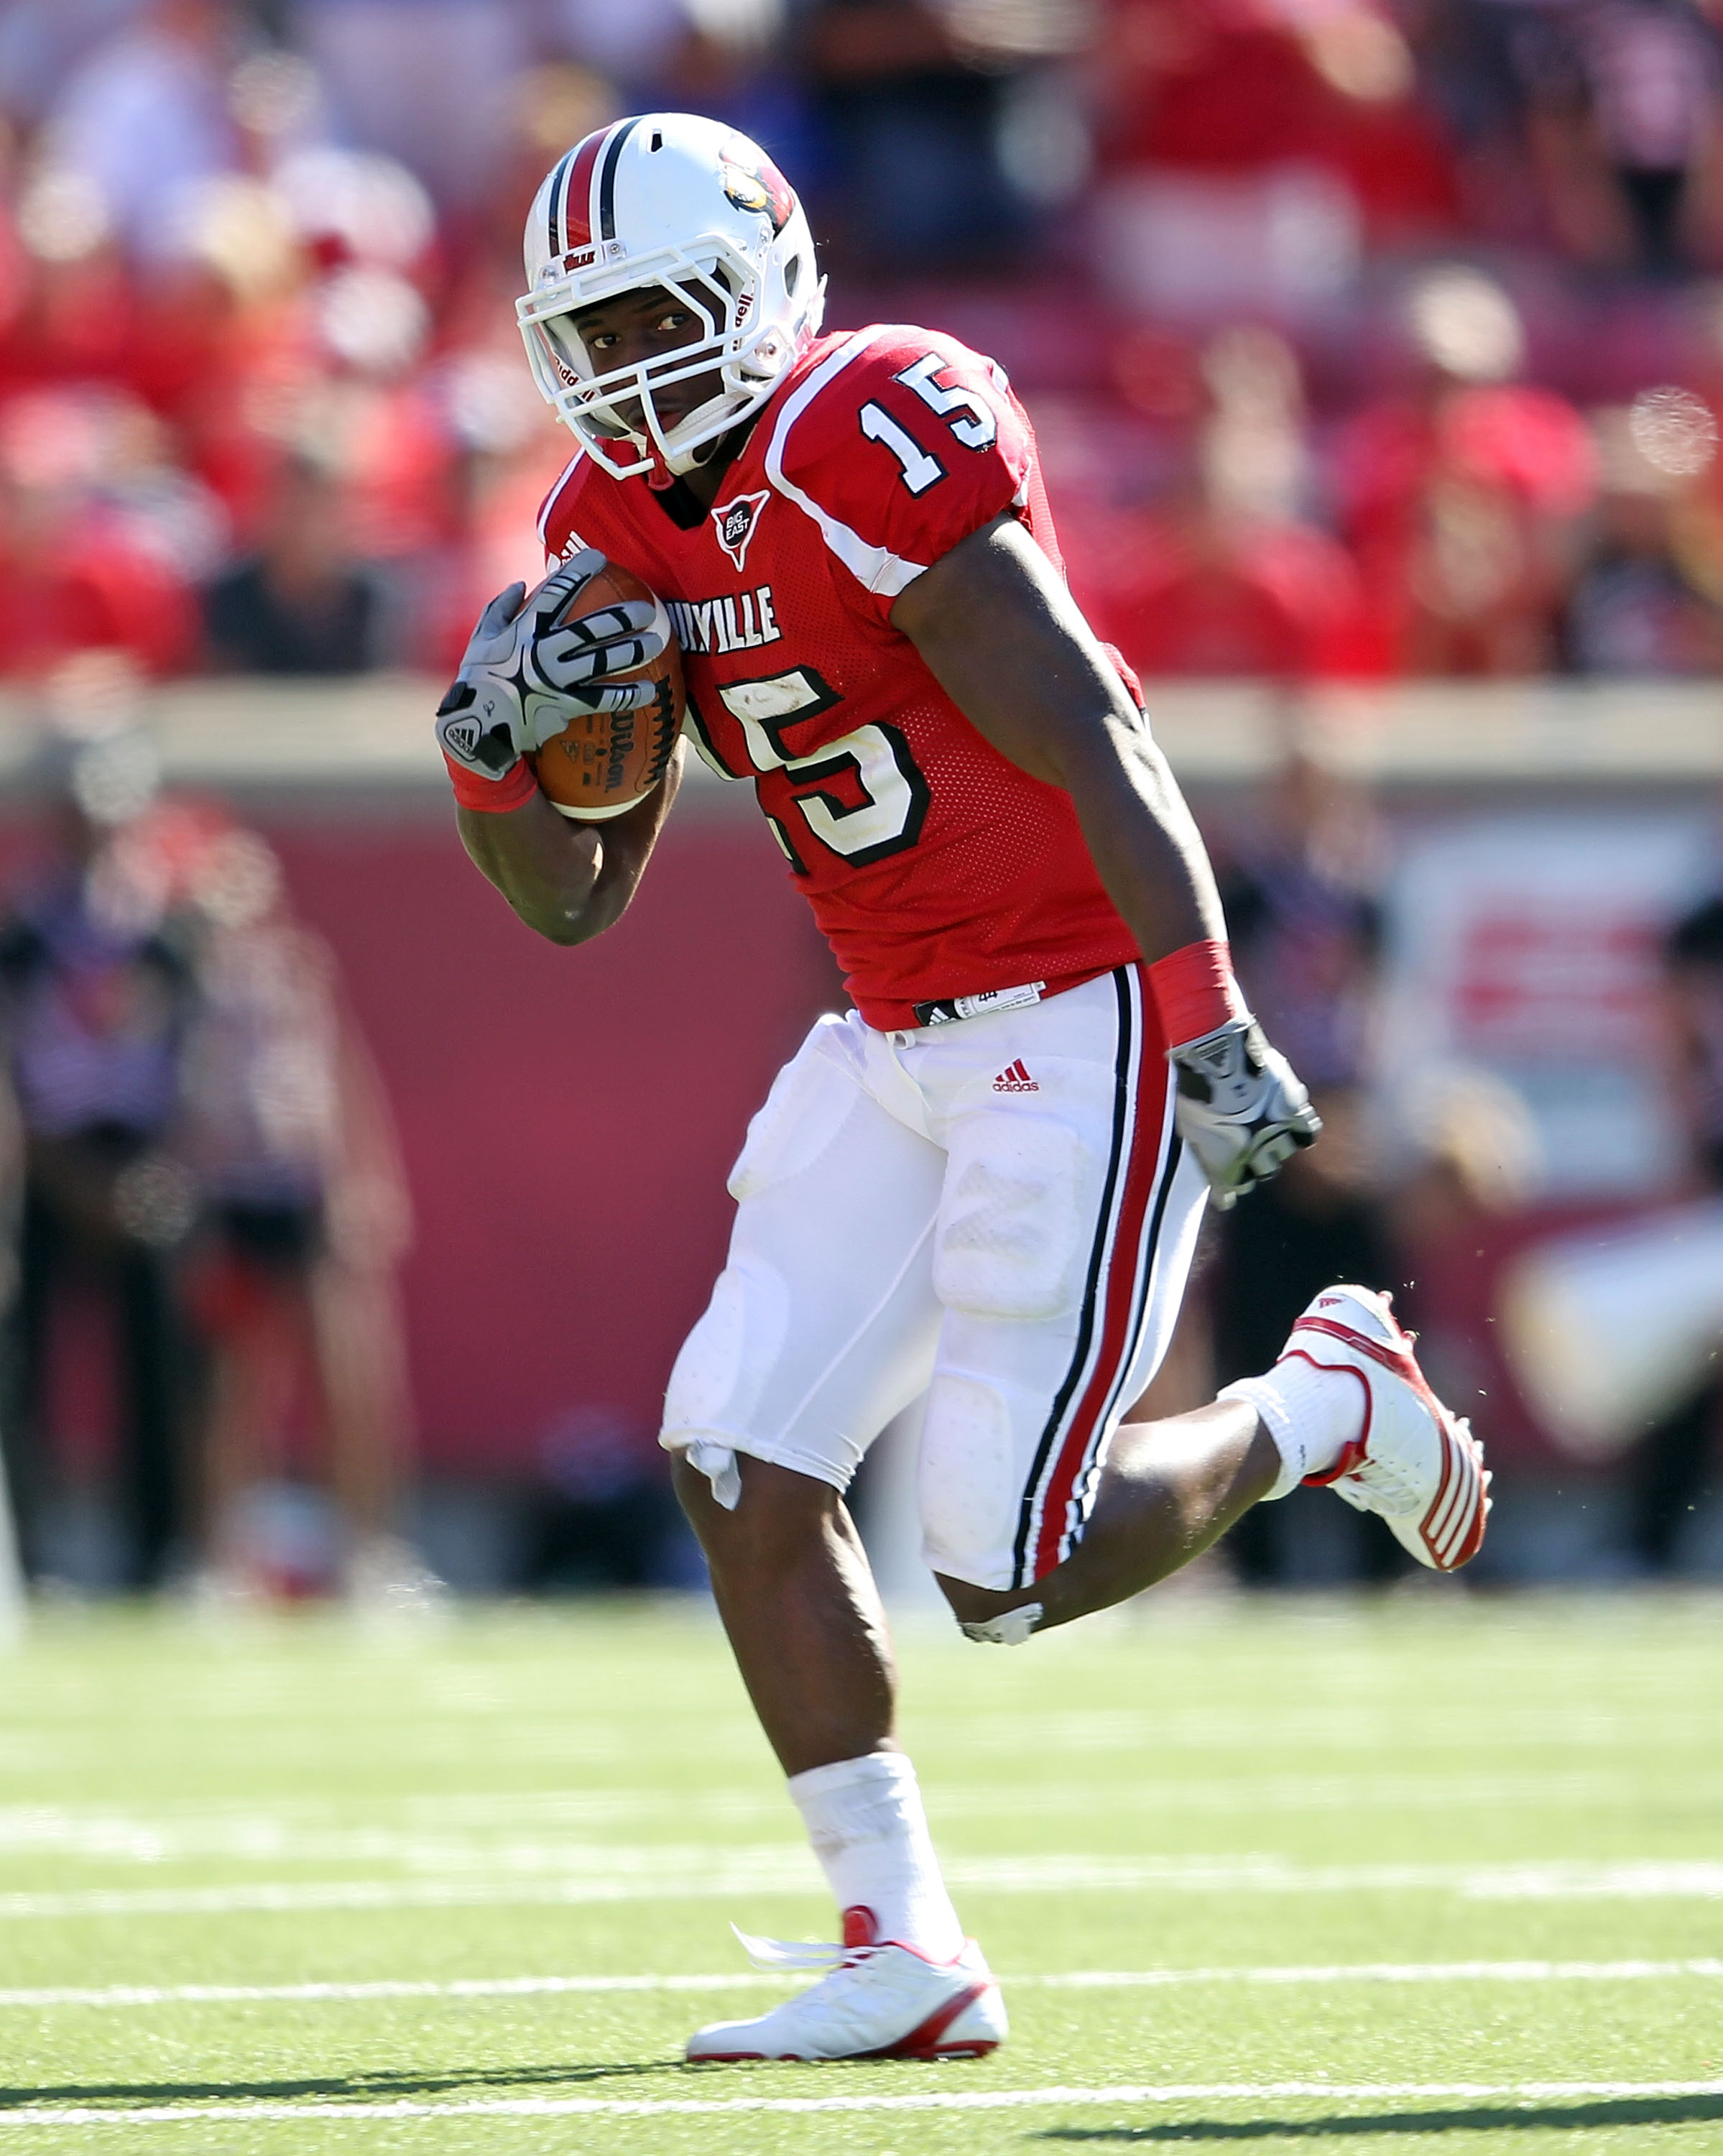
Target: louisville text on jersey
x=739 y=621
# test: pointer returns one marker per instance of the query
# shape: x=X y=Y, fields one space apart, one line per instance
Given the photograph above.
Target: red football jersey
x=935 y=867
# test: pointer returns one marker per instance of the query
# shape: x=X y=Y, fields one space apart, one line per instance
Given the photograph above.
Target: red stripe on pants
x=1123 y=1262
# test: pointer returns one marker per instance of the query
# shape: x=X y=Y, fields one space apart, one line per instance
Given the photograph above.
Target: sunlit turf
x=1255 y=1801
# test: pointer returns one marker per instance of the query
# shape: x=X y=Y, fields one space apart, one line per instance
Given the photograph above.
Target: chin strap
x=661 y=479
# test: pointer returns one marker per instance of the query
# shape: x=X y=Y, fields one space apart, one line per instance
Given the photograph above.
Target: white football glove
x=1240 y=1108
x=525 y=673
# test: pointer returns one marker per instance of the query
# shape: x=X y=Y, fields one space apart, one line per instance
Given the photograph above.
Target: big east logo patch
x=734 y=522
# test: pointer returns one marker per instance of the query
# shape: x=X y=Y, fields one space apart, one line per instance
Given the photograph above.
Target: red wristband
x=492 y=797
x=1195 y=992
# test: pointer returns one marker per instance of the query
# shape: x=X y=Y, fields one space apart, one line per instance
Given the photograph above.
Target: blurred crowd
x=1609 y=1385
x=203 y=1207
x=1366 y=337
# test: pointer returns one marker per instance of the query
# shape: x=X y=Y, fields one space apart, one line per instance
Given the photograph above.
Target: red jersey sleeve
x=900 y=444
x=556 y=516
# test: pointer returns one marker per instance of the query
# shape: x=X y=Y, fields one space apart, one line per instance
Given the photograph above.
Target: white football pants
x=995 y=1211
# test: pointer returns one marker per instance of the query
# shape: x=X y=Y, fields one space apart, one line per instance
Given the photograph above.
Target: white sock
x=864 y=1818
x=1312 y=1414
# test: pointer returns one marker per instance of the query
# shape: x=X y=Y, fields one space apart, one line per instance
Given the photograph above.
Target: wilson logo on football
x=1015 y=1079
x=735 y=521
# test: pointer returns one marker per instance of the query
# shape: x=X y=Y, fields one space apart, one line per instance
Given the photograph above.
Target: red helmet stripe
x=571 y=197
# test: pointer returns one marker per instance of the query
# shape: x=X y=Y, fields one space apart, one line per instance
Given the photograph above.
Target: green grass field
x=1343 y=1874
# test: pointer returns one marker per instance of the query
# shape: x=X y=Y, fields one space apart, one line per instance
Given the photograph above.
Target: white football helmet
x=667 y=198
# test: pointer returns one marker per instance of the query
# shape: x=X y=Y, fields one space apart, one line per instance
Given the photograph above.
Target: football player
x=984 y=1182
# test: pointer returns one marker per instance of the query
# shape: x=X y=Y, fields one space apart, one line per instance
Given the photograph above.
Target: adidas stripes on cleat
x=1414 y=1462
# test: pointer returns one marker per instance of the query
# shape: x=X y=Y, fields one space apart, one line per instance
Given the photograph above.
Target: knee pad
x=1010 y=1242
x=966 y=1483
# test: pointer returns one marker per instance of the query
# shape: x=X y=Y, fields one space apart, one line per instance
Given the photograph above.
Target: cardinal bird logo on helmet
x=753 y=182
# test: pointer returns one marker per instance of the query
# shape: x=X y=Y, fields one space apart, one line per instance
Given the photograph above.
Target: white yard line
x=642 y=1873
x=479 y=1824
x=295 y=1897
x=480 y=1987
x=1382 y=1972
x=1137 y=2092
x=1082 y=1980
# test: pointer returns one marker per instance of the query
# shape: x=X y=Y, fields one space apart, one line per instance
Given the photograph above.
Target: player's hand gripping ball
x=605 y=760
x=582 y=677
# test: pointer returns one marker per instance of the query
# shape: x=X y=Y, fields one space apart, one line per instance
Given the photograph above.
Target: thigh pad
x=1010 y=1242
x=810 y=1100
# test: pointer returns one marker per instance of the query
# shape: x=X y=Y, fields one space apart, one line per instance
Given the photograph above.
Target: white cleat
x=879 y=2000
x=1414 y=1462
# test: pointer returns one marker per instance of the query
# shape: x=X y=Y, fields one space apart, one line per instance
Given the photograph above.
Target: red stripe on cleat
x=923 y=2042
x=1452 y=1529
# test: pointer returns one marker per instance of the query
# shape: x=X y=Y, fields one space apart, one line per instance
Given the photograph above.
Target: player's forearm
x=547 y=868
x=995 y=623
x=1143 y=840
x=566 y=880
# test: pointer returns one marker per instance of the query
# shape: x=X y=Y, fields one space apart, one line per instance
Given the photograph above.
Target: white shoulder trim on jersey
x=554 y=496
x=872 y=566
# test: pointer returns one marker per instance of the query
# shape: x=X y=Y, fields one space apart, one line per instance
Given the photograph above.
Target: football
x=602 y=762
